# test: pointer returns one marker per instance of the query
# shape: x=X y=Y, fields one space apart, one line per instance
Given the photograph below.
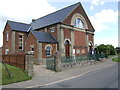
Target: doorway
x=67 y=48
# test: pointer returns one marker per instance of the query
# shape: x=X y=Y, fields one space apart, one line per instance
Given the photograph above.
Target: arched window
x=78 y=23
x=48 y=50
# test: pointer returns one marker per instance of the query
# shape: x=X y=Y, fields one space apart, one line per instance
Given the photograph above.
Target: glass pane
x=32 y=49
x=20 y=36
x=78 y=23
x=20 y=47
x=20 y=44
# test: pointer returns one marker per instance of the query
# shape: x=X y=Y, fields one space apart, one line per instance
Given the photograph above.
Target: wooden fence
x=15 y=60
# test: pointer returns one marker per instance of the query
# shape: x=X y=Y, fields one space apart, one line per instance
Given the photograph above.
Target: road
x=102 y=78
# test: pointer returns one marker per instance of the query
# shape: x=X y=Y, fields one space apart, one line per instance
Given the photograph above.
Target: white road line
x=69 y=78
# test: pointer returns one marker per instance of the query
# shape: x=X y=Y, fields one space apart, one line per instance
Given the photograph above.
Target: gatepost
x=58 y=62
x=29 y=63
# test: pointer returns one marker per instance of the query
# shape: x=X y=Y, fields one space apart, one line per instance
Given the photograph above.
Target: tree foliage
x=117 y=50
x=107 y=49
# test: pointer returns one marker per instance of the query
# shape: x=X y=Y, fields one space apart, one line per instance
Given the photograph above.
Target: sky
x=103 y=15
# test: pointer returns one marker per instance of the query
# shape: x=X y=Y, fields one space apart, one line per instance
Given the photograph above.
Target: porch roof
x=44 y=37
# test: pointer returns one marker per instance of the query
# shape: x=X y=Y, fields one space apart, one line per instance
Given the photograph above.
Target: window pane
x=7 y=36
x=21 y=42
x=20 y=36
x=20 y=47
x=48 y=51
x=78 y=23
x=6 y=51
x=52 y=30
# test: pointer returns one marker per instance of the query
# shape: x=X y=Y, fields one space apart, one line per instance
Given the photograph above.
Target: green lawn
x=18 y=75
x=117 y=59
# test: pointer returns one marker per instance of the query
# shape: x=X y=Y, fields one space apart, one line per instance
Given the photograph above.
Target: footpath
x=43 y=76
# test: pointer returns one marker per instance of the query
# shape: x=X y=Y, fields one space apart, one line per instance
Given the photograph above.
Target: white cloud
x=25 y=9
x=97 y=2
x=91 y=7
x=101 y=20
x=22 y=11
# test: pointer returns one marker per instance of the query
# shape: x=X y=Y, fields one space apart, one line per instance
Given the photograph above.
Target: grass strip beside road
x=17 y=74
x=117 y=59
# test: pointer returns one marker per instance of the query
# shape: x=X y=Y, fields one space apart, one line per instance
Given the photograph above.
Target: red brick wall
x=53 y=33
x=31 y=40
x=90 y=37
x=9 y=42
x=67 y=34
x=80 y=42
x=78 y=10
x=44 y=52
x=79 y=38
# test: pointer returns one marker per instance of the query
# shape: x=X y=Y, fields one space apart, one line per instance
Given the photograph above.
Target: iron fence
x=75 y=60
x=72 y=61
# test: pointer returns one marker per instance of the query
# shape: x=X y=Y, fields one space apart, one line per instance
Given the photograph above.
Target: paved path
x=102 y=78
x=43 y=76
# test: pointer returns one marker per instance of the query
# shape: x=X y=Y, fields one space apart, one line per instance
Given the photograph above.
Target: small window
x=52 y=30
x=32 y=48
x=78 y=23
x=6 y=51
x=48 y=51
x=7 y=36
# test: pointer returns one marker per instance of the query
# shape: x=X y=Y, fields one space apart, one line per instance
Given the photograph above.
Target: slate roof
x=17 y=26
x=44 y=37
x=53 y=18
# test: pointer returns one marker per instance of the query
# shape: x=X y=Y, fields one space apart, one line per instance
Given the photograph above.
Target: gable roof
x=17 y=26
x=53 y=18
x=44 y=37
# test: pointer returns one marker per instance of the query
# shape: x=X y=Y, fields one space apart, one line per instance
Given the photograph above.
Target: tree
x=103 y=49
x=117 y=50
x=111 y=50
x=106 y=49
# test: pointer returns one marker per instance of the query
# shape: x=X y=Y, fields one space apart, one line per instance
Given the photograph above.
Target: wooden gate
x=17 y=60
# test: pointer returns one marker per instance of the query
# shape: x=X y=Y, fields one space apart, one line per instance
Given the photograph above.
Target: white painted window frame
x=21 y=41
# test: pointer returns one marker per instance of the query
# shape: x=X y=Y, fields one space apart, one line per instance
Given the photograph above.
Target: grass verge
x=117 y=59
x=17 y=74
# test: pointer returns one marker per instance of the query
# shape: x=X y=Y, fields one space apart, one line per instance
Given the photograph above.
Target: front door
x=67 y=48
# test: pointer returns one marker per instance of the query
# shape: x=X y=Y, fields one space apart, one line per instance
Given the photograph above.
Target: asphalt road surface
x=102 y=78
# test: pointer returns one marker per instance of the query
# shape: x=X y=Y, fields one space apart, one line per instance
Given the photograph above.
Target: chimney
x=33 y=20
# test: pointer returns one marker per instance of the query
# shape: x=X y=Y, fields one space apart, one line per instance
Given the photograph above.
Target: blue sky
x=102 y=14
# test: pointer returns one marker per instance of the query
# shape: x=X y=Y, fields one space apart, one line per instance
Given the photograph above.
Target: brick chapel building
x=68 y=31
